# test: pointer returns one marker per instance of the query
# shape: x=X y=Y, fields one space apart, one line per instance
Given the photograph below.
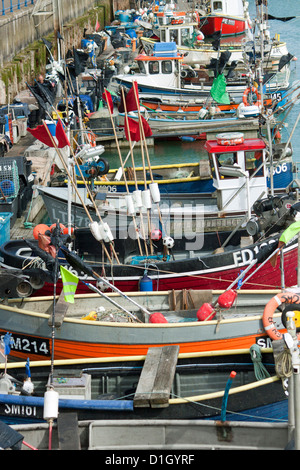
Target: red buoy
x=206 y=312
x=226 y=299
x=157 y=317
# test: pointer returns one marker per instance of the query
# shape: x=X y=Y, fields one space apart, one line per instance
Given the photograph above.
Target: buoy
x=157 y=317
x=155 y=234
x=146 y=284
x=106 y=232
x=66 y=231
x=233 y=138
x=50 y=405
x=96 y=231
x=155 y=194
x=129 y=204
x=137 y=199
x=226 y=299
x=62 y=228
x=41 y=228
x=146 y=198
x=206 y=312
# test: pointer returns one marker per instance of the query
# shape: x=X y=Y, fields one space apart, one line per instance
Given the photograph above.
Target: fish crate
x=9 y=179
x=5 y=227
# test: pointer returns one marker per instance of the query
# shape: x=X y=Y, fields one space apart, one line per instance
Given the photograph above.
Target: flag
x=70 y=282
x=290 y=232
x=39 y=99
x=61 y=136
x=8 y=342
x=80 y=60
x=134 y=129
x=107 y=97
x=41 y=134
x=284 y=238
x=285 y=59
x=218 y=90
x=131 y=99
x=47 y=43
x=97 y=25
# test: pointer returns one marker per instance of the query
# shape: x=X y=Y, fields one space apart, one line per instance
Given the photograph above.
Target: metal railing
x=9 y=6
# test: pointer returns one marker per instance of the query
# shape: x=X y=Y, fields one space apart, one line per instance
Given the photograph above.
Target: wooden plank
x=61 y=308
x=164 y=377
x=68 y=432
x=146 y=382
x=156 y=378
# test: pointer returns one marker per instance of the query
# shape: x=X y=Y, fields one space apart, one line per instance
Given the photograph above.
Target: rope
x=259 y=369
x=283 y=364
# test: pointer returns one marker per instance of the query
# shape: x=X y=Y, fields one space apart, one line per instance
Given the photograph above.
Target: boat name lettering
x=264 y=342
x=29 y=344
x=247 y=255
x=20 y=410
x=110 y=189
x=6 y=167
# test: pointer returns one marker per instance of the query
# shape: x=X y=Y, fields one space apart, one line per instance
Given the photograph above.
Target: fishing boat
x=161 y=75
x=136 y=323
x=192 y=386
x=229 y=17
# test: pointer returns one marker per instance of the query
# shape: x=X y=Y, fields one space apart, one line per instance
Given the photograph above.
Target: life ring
x=251 y=90
x=272 y=305
x=234 y=138
x=91 y=139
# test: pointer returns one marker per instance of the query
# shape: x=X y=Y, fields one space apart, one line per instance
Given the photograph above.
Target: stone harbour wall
x=23 y=54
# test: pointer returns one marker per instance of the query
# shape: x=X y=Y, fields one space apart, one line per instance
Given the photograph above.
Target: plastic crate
x=5 y=227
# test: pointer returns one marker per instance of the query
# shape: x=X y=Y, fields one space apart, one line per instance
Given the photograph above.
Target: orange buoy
x=62 y=227
x=41 y=228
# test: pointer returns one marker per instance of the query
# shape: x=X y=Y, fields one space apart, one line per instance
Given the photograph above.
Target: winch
x=272 y=212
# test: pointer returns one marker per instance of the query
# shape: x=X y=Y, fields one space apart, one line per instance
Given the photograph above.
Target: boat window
x=217 y=6
x=228 y=158
x=166 y=66
x=142 y=67
x=185 y=33
x=253 y=161
x=153 y=67
x=174 y=35
x=162 y=35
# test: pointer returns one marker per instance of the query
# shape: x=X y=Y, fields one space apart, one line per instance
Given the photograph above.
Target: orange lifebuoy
x=92 y=139
x=251 y=90
x=272 y=305
x=233 y=138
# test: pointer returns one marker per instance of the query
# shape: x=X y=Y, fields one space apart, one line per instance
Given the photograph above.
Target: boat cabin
x=162 y=69
x=238 y=168
x=176 y=30
x=225 y=7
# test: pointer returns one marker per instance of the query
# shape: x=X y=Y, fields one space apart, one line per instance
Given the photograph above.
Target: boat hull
x=199 y=377
x=29 y=324
x=229 y=26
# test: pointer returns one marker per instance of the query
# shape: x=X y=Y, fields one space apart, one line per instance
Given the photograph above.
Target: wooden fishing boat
x=192 y=386
x=129 y=328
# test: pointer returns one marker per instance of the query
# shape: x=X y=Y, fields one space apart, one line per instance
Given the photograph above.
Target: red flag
x=131 y=99
x=61 y=135
x=97 y=26
x=41 y=134
x=107 y=97
x=134 y=129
